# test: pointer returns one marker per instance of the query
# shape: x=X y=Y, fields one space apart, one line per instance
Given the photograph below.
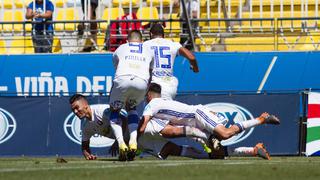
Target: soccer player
x=198 y=116
x=97 y=122
x=165 y=52
x=133 y=64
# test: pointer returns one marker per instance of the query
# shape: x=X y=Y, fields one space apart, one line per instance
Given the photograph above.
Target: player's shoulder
x=99 y=108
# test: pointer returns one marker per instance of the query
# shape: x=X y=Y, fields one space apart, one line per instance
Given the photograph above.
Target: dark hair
x=76 y=97
x=135 y=35
x=157 y=30
x=154 y=87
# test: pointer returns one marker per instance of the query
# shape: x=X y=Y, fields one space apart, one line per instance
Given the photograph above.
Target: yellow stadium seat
x=205 y=44
x=56 y=45
x=174 y=39
x=21 y=45
x=67 y=14
x=115 y=13
x=277 y=2
x=7 y=4
x=125 y=3
x=2 y=46
x=18 y=3
x=9 y=16
x=59 y=3
x=147 y=13
x=174 y=26
x=157 y=2
x=250 y=44
x=100 y=41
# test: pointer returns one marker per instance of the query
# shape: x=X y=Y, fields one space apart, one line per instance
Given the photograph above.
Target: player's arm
x=192 y=59
x=86 y=151
x=143 y=124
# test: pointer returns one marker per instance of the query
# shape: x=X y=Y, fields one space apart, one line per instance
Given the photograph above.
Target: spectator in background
x=42 y=33
x=192 y=7
x=118 y=31
x=93 y=25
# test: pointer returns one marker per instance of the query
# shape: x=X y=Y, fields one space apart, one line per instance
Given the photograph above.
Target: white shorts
x=208 y=120
x=127 y=89
x=169 y=86
x=151 y=141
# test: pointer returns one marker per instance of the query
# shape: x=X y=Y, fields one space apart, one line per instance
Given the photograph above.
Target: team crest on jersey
x=233 y=113
x=7 y=125
x=72 y=127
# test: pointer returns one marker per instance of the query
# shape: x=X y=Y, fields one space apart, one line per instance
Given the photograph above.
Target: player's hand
x=114 y=149
x=194 y=68
x=89 y=156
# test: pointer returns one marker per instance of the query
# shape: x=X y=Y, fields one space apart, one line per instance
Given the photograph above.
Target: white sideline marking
x=266 y=75
x=3 y=88
x=158 y=163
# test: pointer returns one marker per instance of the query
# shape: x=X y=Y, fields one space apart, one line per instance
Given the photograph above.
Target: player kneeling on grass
x=97 y=122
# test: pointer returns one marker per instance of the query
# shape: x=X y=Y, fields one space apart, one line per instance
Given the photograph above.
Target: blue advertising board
x=91 y=74
x=45 y=125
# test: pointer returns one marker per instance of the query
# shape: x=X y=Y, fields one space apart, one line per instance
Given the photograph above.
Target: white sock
x=117 y=130
x=195 y=132
x=133 y=133
x=250 y=123
x=191 y=152
x=241 y=151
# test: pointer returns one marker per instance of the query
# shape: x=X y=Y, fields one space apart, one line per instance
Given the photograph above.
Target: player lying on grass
x=97 y=122
x=176 y=113
x=156 y=140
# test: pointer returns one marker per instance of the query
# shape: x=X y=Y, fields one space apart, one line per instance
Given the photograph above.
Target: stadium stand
x=225 y=25
x=20 y=45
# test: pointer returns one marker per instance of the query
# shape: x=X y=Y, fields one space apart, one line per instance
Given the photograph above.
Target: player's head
x=39 y=1
x=156 y=31
x=79 y=105
x=154 y=91
x=134 y=36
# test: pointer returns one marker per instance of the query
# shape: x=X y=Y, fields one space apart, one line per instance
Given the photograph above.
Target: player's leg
x=171 y=131
x=135 y=95
x=152 y=142
x=117 y=98
x=215 y=122
x=169 y=85
x=258 y=150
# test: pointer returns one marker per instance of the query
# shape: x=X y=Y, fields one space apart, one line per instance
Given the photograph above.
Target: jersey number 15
x=159 y=53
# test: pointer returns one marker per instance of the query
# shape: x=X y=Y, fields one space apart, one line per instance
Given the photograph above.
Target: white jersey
x=165 y=51
x=99 y=123
x=173 y=111
x=133 y=59
x=178 y=113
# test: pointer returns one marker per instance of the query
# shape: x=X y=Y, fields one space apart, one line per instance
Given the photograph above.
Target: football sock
x=117 y=130
x=240 y=151
x=195 y=132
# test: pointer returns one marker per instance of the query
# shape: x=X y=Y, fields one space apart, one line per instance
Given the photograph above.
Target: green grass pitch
x=238 y=168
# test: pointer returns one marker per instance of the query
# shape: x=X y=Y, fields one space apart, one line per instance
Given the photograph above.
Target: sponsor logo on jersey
x=233 y=113
x=72 y=127
x=7 y=125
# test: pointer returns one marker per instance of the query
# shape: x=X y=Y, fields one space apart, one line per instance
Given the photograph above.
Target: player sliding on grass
x=204 y=122
x=97 y=122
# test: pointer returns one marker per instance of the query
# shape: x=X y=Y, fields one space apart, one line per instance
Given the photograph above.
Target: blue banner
x=46 y=126
x=91 y=74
